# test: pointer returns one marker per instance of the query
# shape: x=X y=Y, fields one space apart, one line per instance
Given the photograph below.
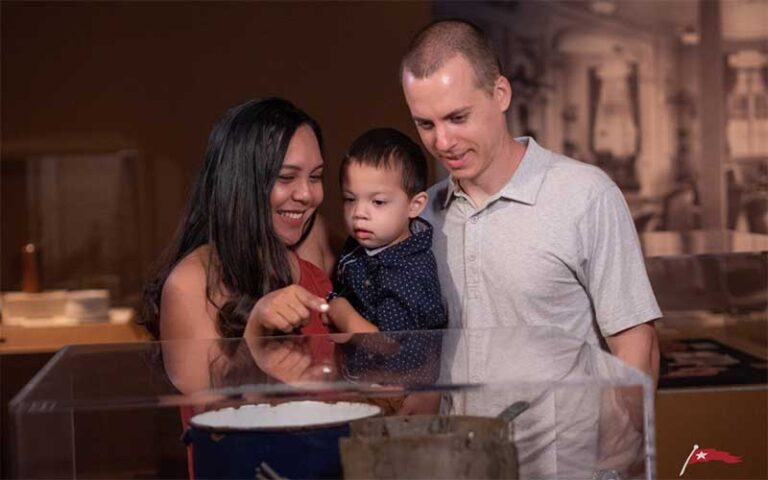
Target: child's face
x=377 y=211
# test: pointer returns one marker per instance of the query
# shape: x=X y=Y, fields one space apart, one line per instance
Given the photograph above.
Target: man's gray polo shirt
x=556 y=246
x=555 y=254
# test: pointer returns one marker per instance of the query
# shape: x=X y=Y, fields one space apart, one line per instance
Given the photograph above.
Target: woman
x=232 y=271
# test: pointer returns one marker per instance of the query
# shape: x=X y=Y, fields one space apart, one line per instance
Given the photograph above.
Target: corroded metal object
x=427 y=446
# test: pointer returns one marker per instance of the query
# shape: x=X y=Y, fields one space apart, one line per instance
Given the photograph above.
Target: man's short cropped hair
x=440 y=41
x=390 y=148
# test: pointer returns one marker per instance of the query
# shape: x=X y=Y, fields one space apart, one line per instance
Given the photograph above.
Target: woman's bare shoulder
x=190 y=272
x=185 y=309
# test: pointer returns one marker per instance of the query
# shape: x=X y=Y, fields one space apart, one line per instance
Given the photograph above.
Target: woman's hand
x=285 y=309
x=284 y=361
x=289 y=360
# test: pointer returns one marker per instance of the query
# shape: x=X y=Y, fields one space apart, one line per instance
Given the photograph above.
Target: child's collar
x=375 y=251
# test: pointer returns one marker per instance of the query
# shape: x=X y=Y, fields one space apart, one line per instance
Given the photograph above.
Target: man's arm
x=639 y=347
x=617 y=281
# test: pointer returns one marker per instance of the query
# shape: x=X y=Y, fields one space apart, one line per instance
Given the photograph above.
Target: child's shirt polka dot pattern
x=395 y=289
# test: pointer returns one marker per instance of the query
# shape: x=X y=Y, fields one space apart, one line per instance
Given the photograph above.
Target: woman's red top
x=317 y=282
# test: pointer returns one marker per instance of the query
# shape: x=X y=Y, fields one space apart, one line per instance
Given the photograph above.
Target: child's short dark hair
x=390 y=148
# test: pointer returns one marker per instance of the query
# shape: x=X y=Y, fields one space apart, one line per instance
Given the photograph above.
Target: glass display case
x=125 y=410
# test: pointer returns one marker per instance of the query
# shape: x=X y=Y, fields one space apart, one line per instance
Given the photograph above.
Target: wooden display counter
x=733 y=418
x=14 y=339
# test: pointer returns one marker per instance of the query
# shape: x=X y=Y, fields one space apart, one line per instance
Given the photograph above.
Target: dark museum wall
x=154 y=77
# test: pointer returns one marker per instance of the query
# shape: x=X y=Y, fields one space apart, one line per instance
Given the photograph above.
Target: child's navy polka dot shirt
x=395 y=289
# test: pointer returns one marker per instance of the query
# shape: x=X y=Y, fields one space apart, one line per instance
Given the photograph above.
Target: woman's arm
x=187 y=315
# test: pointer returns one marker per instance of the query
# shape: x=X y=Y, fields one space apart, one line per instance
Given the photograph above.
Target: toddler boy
x=386 y=275
x=386 y=270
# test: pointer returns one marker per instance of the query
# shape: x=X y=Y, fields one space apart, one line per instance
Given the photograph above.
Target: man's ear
x=502 y=92
x=417 y=204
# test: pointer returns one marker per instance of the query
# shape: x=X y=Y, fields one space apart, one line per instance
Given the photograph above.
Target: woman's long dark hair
x=229 y=210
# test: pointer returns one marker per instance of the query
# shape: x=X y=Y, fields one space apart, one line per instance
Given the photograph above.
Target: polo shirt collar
x=454 y=190
x=525 y=183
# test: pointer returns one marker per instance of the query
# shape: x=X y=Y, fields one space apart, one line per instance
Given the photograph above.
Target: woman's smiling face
x=298 y=190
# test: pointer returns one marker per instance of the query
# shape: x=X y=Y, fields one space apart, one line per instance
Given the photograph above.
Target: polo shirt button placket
x=473 y=275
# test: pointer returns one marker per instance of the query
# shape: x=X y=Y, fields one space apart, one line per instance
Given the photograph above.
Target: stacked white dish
x=87 y=305
x=55 y=307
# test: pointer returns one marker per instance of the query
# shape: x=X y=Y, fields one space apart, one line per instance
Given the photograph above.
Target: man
x=524 y=237
x=551 y=238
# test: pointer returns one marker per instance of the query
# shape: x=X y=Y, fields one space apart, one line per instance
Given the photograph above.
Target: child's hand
x=343 y=316
x=338 y=314
x=420 y=404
